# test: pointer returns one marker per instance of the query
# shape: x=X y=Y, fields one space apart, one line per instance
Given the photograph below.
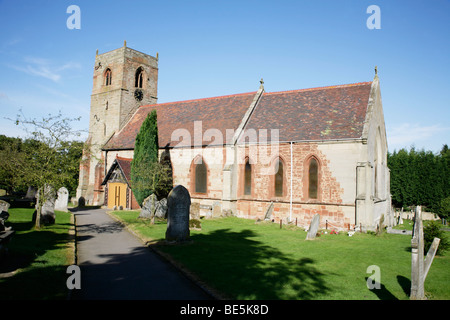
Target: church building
x=299 y=152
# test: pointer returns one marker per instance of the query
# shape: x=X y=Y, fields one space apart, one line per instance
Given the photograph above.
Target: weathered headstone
x=31 y=193
x=216 y=209
x=4 y=215
x=269 y=211
x=62 y=199
x=161 y=209
x=179 y=203
x=194 y=210
x=419 y=267
x=313 y=227
x=48 y=207
x=148 y=207
x=4 y=206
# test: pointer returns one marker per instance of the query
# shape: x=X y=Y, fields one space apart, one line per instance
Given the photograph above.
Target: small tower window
x=139 y=78
x=108 y=77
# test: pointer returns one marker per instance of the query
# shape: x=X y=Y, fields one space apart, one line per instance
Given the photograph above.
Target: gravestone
x=48 y=207
x=161 y=208
x=81 y=201
x=419 y=266
x=179 y=203
x=4 y=206
x=62 y=199
x=148 y=207
x=313 y=227
x=31 y=193
x=4 y=215
x=194 y=210
x=269 y=211
x=216 y=209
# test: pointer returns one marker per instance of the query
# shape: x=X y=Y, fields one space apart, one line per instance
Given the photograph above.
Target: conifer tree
x=148 y=174
x=145 y=154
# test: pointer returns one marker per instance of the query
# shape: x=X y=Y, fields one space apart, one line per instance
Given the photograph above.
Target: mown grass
x=35 y=267
x=247 y=260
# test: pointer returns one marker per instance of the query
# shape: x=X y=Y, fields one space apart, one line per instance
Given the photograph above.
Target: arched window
x=248 y=178
x=279 y=178
x=139 y=78
x=313 y=179
x=200 y=177
x=108 y=77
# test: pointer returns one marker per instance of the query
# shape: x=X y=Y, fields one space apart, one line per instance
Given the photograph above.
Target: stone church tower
x=123 y=80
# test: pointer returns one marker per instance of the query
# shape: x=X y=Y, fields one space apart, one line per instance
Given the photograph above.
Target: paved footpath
x=115 y=265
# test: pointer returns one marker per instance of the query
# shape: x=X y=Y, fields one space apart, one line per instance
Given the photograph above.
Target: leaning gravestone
x=178 y=203
x=269 y=211
x=62 y=199
x=148 y=207
x=419 y=266
x=313 y=227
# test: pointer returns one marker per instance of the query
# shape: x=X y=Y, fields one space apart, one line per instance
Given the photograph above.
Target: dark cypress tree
x=145 y=156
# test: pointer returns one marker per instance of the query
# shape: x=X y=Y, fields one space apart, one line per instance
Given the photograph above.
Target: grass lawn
x=36 y=264
x=247 y=260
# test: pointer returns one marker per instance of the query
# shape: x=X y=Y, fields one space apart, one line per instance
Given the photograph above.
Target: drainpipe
x=290 y=202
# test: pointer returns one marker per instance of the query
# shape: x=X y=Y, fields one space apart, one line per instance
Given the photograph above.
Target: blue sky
x=212 y=48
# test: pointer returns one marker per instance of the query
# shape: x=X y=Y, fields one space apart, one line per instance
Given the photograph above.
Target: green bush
x=433 y=230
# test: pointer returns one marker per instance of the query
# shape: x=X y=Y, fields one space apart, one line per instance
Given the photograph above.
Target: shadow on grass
x=405 y=283
x=36 y=277
x=243 y=268
x=382 y=293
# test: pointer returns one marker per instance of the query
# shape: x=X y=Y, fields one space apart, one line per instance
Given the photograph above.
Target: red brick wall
x=328 y=203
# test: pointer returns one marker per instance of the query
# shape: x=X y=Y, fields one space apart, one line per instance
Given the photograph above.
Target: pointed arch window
x=248 y=178
x=139 y=78
x=279 y=177
x=108 y=77
x=313 y=179
x=200 y=176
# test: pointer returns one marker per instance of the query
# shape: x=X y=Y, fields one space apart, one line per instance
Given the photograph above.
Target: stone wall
x=112 y=105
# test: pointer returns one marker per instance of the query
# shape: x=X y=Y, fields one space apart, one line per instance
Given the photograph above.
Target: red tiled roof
x=221 y=113
x=125 y=166
x=325 y=113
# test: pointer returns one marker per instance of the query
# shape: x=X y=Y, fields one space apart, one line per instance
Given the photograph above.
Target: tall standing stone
x=179 y=203
x=161 y=209
x=313 y=227
x=419 y=266
x=148 y=207
x=62 y=199
x=417 y=289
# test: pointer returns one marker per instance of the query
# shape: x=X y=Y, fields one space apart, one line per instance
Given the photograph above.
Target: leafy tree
x=148 y=175
x=12 y=159
x=46 y=164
